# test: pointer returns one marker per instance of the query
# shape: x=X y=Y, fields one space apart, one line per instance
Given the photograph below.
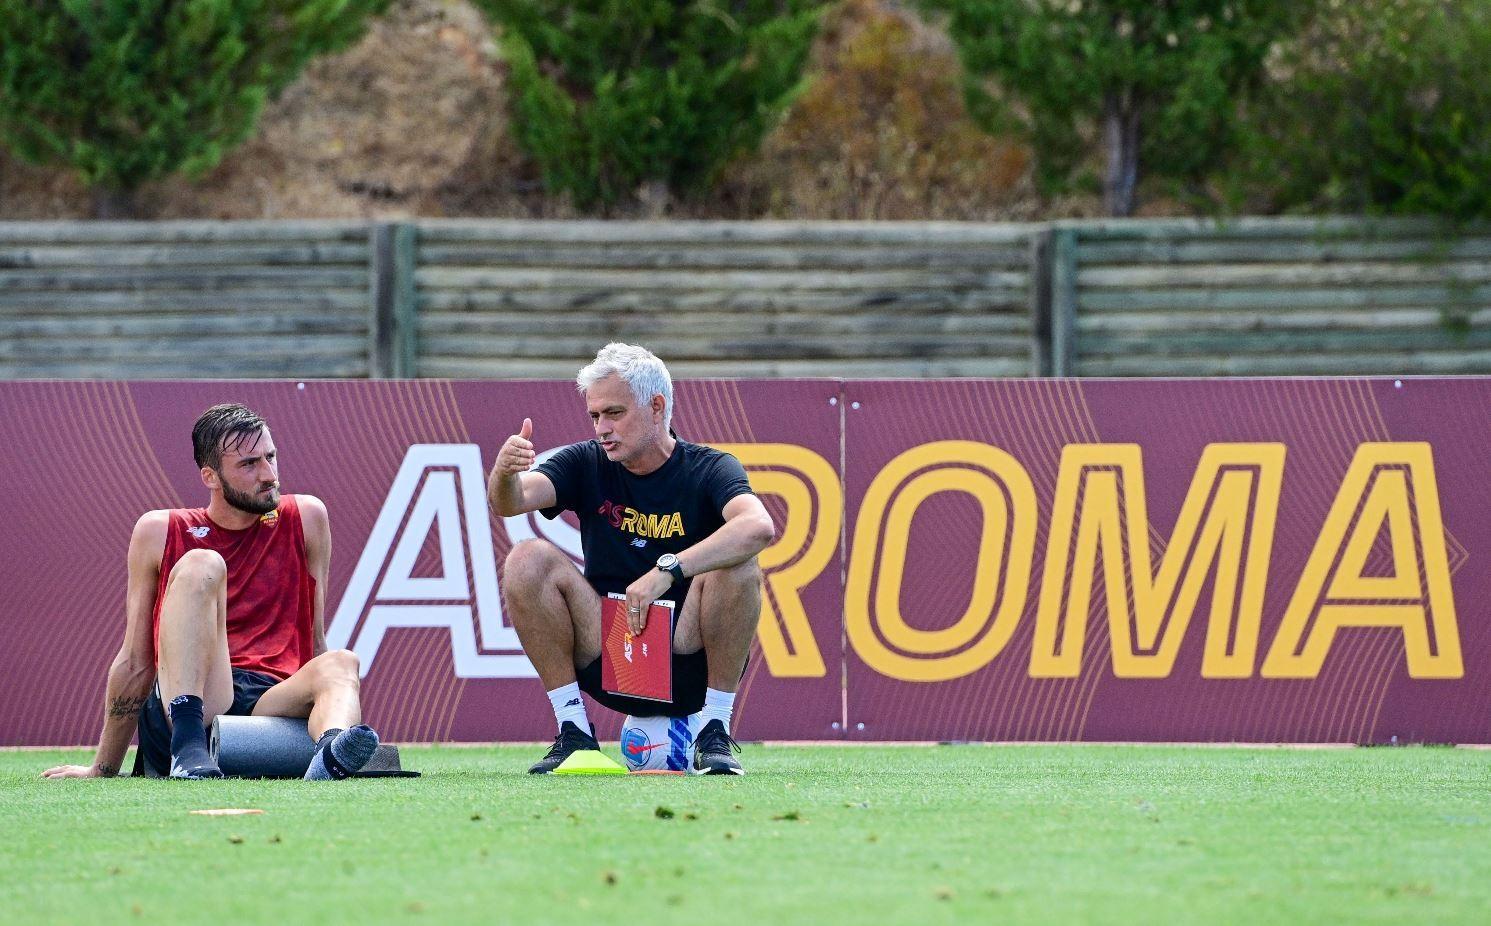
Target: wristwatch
x=670 y=564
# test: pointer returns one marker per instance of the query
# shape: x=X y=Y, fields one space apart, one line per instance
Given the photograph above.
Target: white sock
x=718 y=705
x=568 y=705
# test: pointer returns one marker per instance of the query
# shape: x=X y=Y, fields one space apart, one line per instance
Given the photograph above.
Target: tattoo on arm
x=108 y=771
x=125 y=707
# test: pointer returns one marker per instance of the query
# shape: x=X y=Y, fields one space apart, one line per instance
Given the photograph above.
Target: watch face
x=667 y=561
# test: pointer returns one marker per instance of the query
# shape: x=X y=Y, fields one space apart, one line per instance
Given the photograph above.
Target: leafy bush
x=1381 y=106
x=128 y=91
x=609 y=94
x=1159 y=80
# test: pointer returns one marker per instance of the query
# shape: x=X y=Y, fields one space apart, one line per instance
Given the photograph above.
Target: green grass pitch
x=857 y=835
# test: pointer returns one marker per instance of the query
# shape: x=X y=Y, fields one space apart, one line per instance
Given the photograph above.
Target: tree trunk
x=1121 y=145
x=114 y=203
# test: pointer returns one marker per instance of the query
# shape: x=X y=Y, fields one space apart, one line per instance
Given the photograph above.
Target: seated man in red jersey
x=224 y=615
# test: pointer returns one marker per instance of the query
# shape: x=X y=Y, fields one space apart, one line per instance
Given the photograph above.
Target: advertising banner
x=1247 y=560
x=1280 y=560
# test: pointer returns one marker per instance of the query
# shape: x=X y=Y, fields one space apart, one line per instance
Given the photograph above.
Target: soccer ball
x=657 y=744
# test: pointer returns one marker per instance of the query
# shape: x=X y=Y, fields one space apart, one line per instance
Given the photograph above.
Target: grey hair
x=638 y=367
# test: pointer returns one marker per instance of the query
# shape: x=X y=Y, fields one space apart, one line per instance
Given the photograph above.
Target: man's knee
x=199 y=569
x=731 y=592
x=744 y=576
x=530 y=563
x=338 y=667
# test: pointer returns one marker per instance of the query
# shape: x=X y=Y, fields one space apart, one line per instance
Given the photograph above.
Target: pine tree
x=609 y=94
x=1159 y=80
x=130 y=91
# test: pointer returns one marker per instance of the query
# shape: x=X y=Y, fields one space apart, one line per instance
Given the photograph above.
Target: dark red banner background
x=84 y=460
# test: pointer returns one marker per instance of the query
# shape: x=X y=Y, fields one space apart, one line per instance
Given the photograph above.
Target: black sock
x=188 y=735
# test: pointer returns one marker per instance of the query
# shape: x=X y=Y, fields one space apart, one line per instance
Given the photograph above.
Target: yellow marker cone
x=589 y=762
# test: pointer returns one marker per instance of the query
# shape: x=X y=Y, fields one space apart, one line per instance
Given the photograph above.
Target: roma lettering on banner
x=809 y=486
x=1226 y=528
x=439 y=486
x=1224 y=532
x=1391 y=487
x=875 y=626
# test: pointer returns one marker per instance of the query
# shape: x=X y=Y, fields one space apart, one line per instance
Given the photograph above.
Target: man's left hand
x=72 y=771
x=641 y=594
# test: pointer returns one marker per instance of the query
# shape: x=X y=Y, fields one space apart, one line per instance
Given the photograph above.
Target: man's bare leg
x=326 y=692
x=558 y=619
x=554 y=610
x=196 y=680
x=720 y=615
x=729 y=610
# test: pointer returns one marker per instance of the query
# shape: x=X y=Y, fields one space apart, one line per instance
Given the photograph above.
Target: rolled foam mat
x=261 y=747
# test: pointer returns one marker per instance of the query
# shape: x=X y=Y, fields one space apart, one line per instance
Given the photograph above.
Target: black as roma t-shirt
x=628 y=521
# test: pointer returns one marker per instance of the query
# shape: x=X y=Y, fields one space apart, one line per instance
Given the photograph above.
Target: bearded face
x=248 y=474
x=262 y=501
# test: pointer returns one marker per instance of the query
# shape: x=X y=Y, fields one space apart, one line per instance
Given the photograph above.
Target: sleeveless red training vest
x=271 y=592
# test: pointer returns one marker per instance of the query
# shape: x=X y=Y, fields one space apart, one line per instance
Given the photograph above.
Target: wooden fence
x=725 y=298
x=1272 y=297
x=183 y=300
x=483 y=299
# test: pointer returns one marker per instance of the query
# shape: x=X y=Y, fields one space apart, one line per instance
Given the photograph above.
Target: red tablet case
x=638 y=667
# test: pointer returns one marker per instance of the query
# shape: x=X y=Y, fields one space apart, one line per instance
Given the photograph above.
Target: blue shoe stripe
x=678 y=739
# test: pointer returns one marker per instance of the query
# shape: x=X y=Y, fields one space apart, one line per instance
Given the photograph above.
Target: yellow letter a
x=1391 y=485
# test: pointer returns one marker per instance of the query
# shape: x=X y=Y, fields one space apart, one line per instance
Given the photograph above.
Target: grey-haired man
x=633 y=477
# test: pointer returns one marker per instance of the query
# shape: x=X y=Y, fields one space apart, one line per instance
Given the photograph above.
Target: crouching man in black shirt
x=660 y=518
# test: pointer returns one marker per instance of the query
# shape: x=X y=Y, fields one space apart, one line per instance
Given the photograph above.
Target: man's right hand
x=72 y=771
x=517 y=454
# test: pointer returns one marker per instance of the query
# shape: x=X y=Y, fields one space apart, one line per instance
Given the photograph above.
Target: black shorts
x=690 y=678
x=153 y=758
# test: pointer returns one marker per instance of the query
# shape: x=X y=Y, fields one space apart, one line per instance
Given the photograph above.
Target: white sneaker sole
x=179 y=775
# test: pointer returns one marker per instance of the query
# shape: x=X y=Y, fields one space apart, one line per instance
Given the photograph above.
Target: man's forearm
x=736 y=541
x=505 y=492
x=127 y=691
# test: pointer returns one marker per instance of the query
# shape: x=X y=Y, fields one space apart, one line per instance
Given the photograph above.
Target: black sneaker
x=571 y=739
x=712 y=752
x=194 y=770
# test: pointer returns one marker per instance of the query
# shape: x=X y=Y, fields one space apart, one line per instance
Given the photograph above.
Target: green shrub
x=1156 y=82
x=1381 y=106
x=129 y=91
x=609 y=94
